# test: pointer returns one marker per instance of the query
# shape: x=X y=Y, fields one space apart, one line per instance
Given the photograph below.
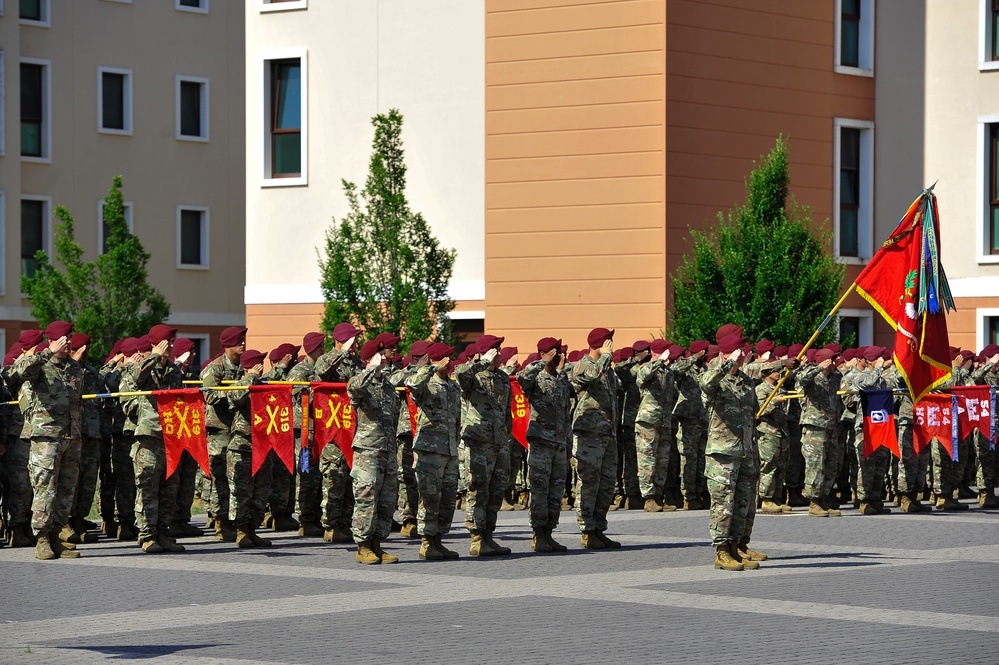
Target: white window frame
x=205 y=101
x=3 y=245
x=45 y=11
x=982 y=220
x=201 y=9
x=121 y=2
x=985 y=63
x=866 y=316
x=48 y=225
x=982 y=315
x=268 y=6
x=265 y=106
x=46 y=157
x=865 y=43
x=198 y=336
x=865 y=213
x=127 y=205
x=3 y=99
x=205 y=235
x=126 y=101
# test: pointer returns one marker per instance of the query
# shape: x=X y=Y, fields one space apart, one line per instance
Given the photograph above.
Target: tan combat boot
x=987 y=499
x=590 y=541
x=311 y=530
x=257 y=540
x=907 y=505
x=328 y=535
x=385 y=557
x=724 y=560
x=815 y=509
x=608 y=543
x=126 y=532
x=43 y=548
x=285 y=522
x=224 y=530
x=366 y=555
x=409 y=530
x=448 y=554
x=499 y=550
x=169 y=544
x=771 y=508
x=868 y=509
x=747 y=563
x=831 y=506
x=540 y=544
x=243 y=538
x=63 y=550
x=556 y=546
x=20 y=536
x=151 y=546
x=480 y=546
x=949 y=503
x=752 y=555
x=653 y=506
x=68 y=535
x=429 y=551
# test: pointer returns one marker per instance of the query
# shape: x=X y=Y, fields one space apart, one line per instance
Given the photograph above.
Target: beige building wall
x=155 y=42
x=361 y=59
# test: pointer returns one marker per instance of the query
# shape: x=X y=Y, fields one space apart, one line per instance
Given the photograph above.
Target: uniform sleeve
x=419 y=383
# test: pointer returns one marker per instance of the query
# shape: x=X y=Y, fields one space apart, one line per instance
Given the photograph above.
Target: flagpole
x=818 y=331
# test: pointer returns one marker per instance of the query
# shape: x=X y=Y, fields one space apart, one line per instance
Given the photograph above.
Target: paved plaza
x=888 y=589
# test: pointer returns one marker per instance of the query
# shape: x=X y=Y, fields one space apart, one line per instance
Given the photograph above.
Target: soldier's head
x=658 y=347
x=314 y=344
x=641 y=350
x=60 y=331
x=345 y=336
x=144 y=347
x=163 y=334
x=81 y=346
x=699 y=349
x=437 y=353
x=233 y=341
x=390 y=343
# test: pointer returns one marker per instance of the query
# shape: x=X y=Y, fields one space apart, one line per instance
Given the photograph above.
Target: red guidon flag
x=934 y=419
x=182 y=419
x=521 y=412
x=411 y=405
x=272 y=424
x=334 y=418
x=974 y=410
x=879 y=421
x=906 y=283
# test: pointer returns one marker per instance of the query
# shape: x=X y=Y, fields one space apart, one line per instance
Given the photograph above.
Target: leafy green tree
x=765 y=267
x=381 y=267
x=109 y=298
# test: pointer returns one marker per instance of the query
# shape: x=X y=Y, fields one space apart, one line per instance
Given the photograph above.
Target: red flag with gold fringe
x=272 y=424
x=334 y=418
x=182 y=419
x=521 y=412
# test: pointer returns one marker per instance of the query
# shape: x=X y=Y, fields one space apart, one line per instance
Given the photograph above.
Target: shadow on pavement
x=141 y=651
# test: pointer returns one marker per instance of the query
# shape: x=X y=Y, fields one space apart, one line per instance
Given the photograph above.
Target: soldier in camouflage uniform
x=18 y=448
x=629 y=400
x=187 y=468
x=819 y=381
x=281 y=500
x=690 y=417
x=871 y=470
x=516 y=489
x=653 y=424
x=409 y=496
x=948 y=475
x=310 y=479
x=90 y=431
x=123 y=473
x=109 y=522
x=594 y=446
x=547 y=390
x=435 y=446
x=374 y=474
x=218 y=422
x=909 y=472
x=795 y=477
x=730 y=464
x=338 y=366
x=772 y=441
x=56 y=383
x=988 y=461
x=486 y=432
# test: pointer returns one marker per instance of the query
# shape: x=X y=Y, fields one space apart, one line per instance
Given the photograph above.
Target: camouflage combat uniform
x=691 y=420
x=310 y=483
x=187 y=469
x=409 y=496
x=248 y=491
x=281 y=498
x=948 y=474
x=594 y=445
x=337 y=487
x=122 y=470
x=18 y=449
x=629 y=399
x=819 y=415
x=218 y=422
x=548 y=433
x=773 y=445
x=90 y=451
x=988 y=462
x=872 y=470
x=653 y=425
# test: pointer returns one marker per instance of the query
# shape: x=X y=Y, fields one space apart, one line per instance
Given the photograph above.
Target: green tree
x=381 y=267
x=765 y=267
x=109 y=298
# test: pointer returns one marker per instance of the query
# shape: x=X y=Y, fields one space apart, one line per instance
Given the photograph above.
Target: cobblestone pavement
x=895 y=588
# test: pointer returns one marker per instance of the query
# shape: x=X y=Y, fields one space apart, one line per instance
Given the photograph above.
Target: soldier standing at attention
x=773 y=444
x=375 y=474
x=409 y=495
x=486 y=433
x=435 y=446
x=310 y=483
x=18 y=450
x=547 y=390
x=187 y=469
x=594 y=442
x=56 y=382
x=653 y=423
x=818 y=425
x=248 y=492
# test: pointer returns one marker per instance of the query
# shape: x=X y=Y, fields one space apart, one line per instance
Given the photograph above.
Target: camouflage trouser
x=672 y=484
x=985 y=479
x=795 y=478
x=871 y=471
x=730 y=483
x=281 y=480
x=948 y=474
x=691 y=440
x=105 y=497
x=849 y=467
x=652 y=451
x=488 y=475
x=518 y=457
x=816 y=448
x=833 y=461
x=462 y=468
x=594 y=456
x=437 y=478
x=203 y=489
x=909 y=473
x=546 y=467
x=310 y=485
x=774 y=453
x=90 y=461
x=376 y=490
x=187 y=475
x=338 y=495
x=54 y=466
x=409 y=494
x=19 y=492
x=124 y=477
x=155 y=494
x=218 y=465
x=247 y=492
x=627 y=458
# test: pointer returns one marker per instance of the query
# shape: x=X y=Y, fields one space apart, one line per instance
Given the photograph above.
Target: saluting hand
x=59 y=345
x=549 y=356
x=608 y=346
x=257 y=369
x=161 y=348
x=422 y=361
x=286 y=360
x=490 y=355
x=348 y=345
x=376 y=361
x=182 y=358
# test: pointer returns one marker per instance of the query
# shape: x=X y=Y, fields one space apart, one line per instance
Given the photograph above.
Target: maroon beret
x=251 y=358
x=822 y=355
x=850 y=354
x=780 y=351
x=161 y=332
x=407 y=360
x=282 y=350
x=954 y=351
x=181 y=346
x=344 y=331
x=388 y=339
x=574 y=356
x=598 y=336
x=967 y=355
x=616 y=356
x=887 y=355
x=658 y=346
x=232 y=336
x=145 y=346
x=313 y=341
x=115 y=350
x=990 y=350
x=627 y=353
x=370 y=348
x=872 y=353
x=712 y=351
x=676 y=351
x=505 y=354
x=794 y=350
x=17 y=349
x=728 y=330
x=835 y=348
x=58 y=329
x=419 y=348
x=129 y=346
x=10 y=358
x=697 y=346
x=487 y=342
x=80 y=340
x=765 y=345
x=546 y=344
x=641 y=345
x=439 y=351
x=41 y=347
x=30 y=338
x=730 y=343
x=810 y=354
x=534 y=357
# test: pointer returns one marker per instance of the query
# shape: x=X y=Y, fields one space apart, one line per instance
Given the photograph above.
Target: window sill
x=988 y=258
x=35 y=24
x=854 y=71
x=851 y=260
x=283 y=6
x=115 y=132
x=300 y=181
x=988 y=66
x=192 y=10
x=190 y=266
x=192 y=139
x=36 y=160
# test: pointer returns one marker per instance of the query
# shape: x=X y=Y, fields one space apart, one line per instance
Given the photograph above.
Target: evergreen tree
x=109 y=298
x=383 y=269
x=765 y=267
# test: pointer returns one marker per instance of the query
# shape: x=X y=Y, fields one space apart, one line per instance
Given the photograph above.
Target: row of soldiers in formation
x=651 y=426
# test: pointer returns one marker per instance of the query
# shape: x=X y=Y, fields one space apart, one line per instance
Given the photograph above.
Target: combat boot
x=151 y=546
x=268 y=521
x=636 y=502
x=987 y=499
x=815 y=509
x=508 y=504
x=429 y=551
x=385 y=557
x=770 y=508
x=409 y=530
x=480 y=546
x=227 y=529
x=746 y=553
x=795 y=498
x=366 y=555
x=169 y=544
x=243 y=538
x=20 y=536
x=948 y=503
x=311 y=530
x=285 y=522
x=499 y=549
x=693 y=504
x=556 y=546
x=63 y=550
x=188 y=530
x=68 y=535
x=328 y=535
x=653 y=506
x=747 y=563
x=257 y=540
x=907 y=505
x=724 y=560
x=608 y=543
x=831 y=506
x=868 y=509
x=448 y=554
x=109 y=528
x=81 y=527
x=126 y=532
x=590 y=541
x=881 y=508
x=540 y=544
x=43 y=548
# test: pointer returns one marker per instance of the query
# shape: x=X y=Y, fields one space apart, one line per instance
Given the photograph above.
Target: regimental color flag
x=182 y=419
x=933 y=418
x=334 y=419
x=879 y=421
x=272 y=425
x=521 y=412
x=906 y=283
x=976 y=408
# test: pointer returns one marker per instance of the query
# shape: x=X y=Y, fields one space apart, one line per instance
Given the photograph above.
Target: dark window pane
x=849 y=330
x=288 y=112
x=287 y=154
x=113 y=102
x=851 y=7
x=31 y=9
x=993 y=330
x=32 y=234
x=31 y=110
x=994 y=161
x=190 y=3
x=995 y=35
x=848 y=188
x=994 y=249
x=849 y=152
x=190 y=108
x=849 y=42
x=848 y=241
x=190 y=237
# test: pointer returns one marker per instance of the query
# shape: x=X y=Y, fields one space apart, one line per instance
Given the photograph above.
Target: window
x=3 y=237
x=285 y=106
x=854 y=38
x=34 y=12
x=853 y=183
x=192 y=108
x=103 y=232
x=988 y=35
x=282 y=5
x=35 y=232
x=993 y=330
x=856 y=327
x=200 y=350
x=196 y=6
x=992 y=247
x=34 y=109
x=3 y=100
x=192 y=237
x=114 y=95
